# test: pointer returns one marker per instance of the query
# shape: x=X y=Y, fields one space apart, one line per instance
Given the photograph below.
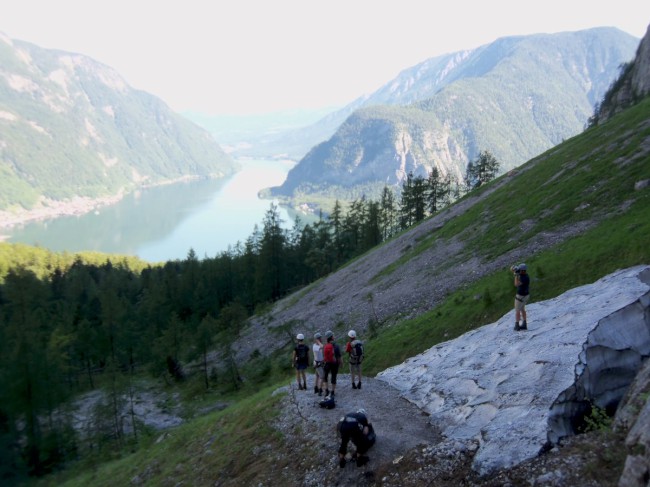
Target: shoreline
x=48 y=209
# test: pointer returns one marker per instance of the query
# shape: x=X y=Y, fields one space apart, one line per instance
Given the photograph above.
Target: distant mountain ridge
x=515 y=97
x=72 y=127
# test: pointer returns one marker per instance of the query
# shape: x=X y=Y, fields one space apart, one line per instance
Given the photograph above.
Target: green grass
x=200 y=452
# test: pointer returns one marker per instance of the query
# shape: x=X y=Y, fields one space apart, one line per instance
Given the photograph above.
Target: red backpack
x=328 y=353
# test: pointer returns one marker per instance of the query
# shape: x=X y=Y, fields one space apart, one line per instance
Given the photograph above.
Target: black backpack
x=301 y=353
x=328 y=403
x=356 y=356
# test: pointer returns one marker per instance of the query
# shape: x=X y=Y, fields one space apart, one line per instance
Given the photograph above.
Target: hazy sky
x=255 y=56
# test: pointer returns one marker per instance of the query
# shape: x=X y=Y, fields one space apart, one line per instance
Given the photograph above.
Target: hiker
x=354 y=349
x=319 y=372
x=522 y=283
x=332 y=359
x=356 y=428
x=301 y=361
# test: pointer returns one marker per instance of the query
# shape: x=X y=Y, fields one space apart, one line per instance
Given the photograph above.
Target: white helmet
x=300 y=336
x=352 y=334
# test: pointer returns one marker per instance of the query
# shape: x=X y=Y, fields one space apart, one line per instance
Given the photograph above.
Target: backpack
x=356 y=355
x=328 y=403
x=328 y=353
x=301 y=353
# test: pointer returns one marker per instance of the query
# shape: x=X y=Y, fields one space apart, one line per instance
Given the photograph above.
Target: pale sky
x=257 y=56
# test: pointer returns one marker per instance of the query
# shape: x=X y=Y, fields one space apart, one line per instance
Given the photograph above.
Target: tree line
x=72 y=324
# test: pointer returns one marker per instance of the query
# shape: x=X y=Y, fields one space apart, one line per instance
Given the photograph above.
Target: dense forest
x=72 y=323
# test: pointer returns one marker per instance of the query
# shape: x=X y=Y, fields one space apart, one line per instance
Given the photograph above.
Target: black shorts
x=331 y=368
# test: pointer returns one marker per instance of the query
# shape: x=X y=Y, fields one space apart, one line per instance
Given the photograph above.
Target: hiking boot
x=524 y=326
x=517 y=327
x=320 y=391
x=315 y=390
x=354 y=386
x=327 y=392
x=362 y=460
x=359 y=385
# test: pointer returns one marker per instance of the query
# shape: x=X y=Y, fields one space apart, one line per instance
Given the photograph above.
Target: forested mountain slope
x=515 y=97
x=73 y=127
x=569 y=197
x=574 y=214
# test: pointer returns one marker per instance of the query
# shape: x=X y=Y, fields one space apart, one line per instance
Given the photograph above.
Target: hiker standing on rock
x=332 y=359
x=301 y=361
x=356 y=428
x=354 y=349
x=522 y=283
x=319 y=372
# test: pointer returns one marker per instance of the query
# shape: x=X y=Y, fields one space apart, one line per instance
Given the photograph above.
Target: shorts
x=355 y=369
x=301 y=366
x=333 y=368
x=320 y=370
x=520 y=302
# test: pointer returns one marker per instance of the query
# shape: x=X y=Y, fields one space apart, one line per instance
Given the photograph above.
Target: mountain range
x=72 y=127
x=515 y=97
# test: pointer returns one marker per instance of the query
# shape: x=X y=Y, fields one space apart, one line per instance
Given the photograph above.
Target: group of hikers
x=327 y=359
x=327 y=362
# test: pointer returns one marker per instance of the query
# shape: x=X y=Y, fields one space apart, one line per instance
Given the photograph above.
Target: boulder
x=517 y=393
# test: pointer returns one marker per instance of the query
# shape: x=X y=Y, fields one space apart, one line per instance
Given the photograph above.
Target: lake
x=163 y=223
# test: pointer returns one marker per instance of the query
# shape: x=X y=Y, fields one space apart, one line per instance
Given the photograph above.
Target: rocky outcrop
x=517 y=393
x=633 y=416
x=633 y=84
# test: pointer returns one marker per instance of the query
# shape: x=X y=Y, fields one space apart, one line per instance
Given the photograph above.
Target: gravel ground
x=410 y=452
x=399 y=425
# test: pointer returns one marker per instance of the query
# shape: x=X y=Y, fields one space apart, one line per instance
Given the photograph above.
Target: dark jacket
x=351 y=428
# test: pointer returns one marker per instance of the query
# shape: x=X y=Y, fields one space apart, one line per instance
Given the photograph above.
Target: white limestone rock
x=517 y=392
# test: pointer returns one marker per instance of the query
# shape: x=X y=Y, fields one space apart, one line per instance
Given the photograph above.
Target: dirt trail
x=400 y=426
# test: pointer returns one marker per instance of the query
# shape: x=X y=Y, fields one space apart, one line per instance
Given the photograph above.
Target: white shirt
x=317 y=348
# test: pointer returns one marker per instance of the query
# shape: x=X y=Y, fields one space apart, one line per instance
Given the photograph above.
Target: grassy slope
x=598 y=169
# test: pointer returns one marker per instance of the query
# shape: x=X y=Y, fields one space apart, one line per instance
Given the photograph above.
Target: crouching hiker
x=356 y=428
x=301 y=361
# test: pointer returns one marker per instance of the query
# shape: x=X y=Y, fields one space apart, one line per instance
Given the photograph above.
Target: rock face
x=633 y=84
x=633 y=416
x=518 y=392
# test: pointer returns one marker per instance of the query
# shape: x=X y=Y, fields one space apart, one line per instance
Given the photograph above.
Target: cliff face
x=515 y=97
x=633 y=84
